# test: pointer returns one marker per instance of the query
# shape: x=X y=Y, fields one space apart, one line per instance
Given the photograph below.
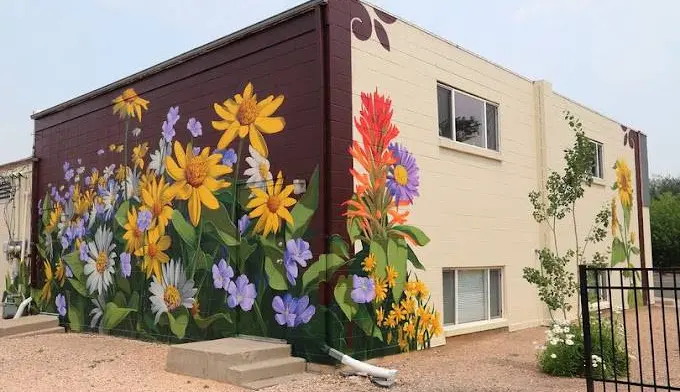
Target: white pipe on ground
x=22 y=306
x=386 y=377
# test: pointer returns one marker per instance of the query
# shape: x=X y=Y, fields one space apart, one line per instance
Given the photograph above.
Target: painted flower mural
x=182 y=242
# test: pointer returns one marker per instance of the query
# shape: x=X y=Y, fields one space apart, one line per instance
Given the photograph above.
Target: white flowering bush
x=562 y=354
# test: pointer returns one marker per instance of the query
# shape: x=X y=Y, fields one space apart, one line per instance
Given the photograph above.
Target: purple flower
x=222 y=274
x=194 y=126
x=243 y=223
x=229 y=157
x=125 y=266
x=169 y=124
x=64 y=242
x=79 y=229
x=144 y=220
x=304 y=311
x=81 y=169
x=69 y=174
x=291 y=311
x=403 y=177
x=297 y=252
x=60 y=301
x=83 y=252
x=88 y=179
x=69 y=273
x=197 y=151
x=100 y=151
x=80 y=161
x=241 y=293
x=66 y=166
x=363 y=289
x=285 y=310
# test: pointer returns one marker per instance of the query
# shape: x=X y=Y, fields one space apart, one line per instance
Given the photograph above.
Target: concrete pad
x=27 y=324
x=38 y=332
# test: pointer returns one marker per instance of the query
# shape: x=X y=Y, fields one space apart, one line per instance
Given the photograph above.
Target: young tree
x=555 y=282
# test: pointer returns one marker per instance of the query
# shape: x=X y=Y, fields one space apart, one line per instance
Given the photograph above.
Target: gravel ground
x=491 y=361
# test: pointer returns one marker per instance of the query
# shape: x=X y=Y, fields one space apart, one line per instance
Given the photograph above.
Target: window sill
x=478 y=326
x=469 y=149
x=599 y=182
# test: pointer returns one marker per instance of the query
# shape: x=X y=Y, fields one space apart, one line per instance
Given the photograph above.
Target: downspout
x=640 y=220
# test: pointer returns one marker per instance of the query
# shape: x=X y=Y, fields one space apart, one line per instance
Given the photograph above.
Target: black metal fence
x=631 y=331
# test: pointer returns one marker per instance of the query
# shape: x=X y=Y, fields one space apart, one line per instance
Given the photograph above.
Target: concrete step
x=268 y=369
x=27 y=324
x=270 y=382
x=39 y=332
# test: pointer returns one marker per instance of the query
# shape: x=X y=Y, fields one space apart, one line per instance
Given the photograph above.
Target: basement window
x=468 y=119
x=472 y=295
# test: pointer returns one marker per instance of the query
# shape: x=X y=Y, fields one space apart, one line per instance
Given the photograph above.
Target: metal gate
x=630 y=327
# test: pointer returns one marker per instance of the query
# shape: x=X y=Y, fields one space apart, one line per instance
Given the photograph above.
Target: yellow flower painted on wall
x=624 y=182
x=129 y=104
x=157 y=198
x=271 y=206
x=138 y=154
x=196 y=178
x=133 y=236
x=154 y=253
x=46 y=292
x=244 y=116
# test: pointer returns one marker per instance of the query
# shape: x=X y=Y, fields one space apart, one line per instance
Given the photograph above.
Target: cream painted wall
x=11 y=212
x=473 y=203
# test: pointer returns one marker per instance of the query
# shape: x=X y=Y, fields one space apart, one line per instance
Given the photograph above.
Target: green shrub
x=563 y=353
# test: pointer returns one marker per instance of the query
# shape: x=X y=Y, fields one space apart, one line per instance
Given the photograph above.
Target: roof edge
x=210 y=46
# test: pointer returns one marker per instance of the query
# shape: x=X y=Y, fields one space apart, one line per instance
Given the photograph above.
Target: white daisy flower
x=569 y=342
x=132 y=184
x=99 y=266
x=136 y=131
x=108 y=171
x=553 y=356
x=258 y=173
x=173 y=291
x=97 y=313
x=157 y=163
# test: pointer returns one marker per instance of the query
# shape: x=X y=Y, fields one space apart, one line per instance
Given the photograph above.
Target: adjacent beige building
x=474 y=188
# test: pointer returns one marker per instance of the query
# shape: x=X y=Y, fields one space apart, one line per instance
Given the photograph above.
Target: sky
x=619 y=57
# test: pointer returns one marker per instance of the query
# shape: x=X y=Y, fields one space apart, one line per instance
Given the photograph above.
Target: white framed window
x=472 y=295
x=466 y=118
x=598 y=165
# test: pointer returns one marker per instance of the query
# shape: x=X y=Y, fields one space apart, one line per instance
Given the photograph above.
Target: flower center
x=172 y=297
x=152 y=251
x=157 y=209
x=400 y=175
x=247 y=112
x=196 y=171
x=263 y=170
x=102 y=258
x=129 y=95
x=273 y=204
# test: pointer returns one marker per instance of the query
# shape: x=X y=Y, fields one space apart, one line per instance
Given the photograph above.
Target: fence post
x=585 y=316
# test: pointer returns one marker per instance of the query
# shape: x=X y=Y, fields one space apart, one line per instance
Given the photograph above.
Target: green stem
x=125 y=156
x=260 y=320
x=236 y=174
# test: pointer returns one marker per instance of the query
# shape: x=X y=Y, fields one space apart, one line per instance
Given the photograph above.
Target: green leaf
x=275 y=274
x=342 y=293
x=113 y=315
x=626 y=215
x=184 y=229
x=353 y=229
x=414 y=233
x=46 y=207
x=79 y=287
x=133 y=303
x=321 y=270
x=76 y=265
x=121 y=214
x=618 y=252
x=179 y=322
x=397 y=251
x=76 y=317
x=123 y=284
x=367 y=324
x=414 y=259
x=635 y=250
x=245 y=249
x=378 y=250
x=304 y=209
x=119 y=299
x=204 y=323
x=223 y=225
x=338 y=246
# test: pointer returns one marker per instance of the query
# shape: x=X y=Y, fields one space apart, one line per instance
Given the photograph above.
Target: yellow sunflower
x=409 y=330
x=271 y=206
x=129 y=104
x=157 y=198
x=154 y=253
x=380 y=288
x=138 y=154
x=403 y=342
x=615 y=217
x=94 y=178
x=133 y=235
x=60 y=272
x=392 y=276
x=409 y=305
x=398 y=312
x=379 y=316
x=121 y=173
x=624 y=182
x=55 y=217
x=196 y=178
x=244 y=116
x=46 y=292
x=369 y=263
x=437 y=328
